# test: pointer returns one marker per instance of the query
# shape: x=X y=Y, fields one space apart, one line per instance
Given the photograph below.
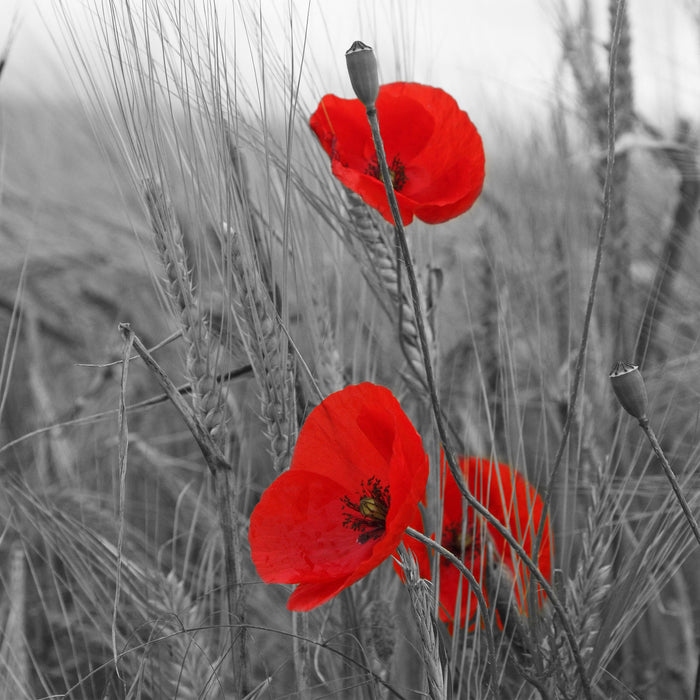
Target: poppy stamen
x=369 y=512
x=397 y=170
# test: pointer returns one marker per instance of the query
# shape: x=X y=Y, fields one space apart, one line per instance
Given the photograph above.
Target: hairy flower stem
x=403 y=251
x=476 y=589
x=651 y=436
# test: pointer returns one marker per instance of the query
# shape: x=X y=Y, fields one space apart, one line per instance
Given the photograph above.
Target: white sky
x=497 y=57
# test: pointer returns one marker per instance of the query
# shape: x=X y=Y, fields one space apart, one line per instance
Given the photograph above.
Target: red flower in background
x=516 y=504
x=434 y=152
x=356 y=477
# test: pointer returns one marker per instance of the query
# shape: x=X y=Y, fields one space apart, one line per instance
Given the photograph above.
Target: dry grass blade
x=123 y=461
x=210 y=450
x=14 y=662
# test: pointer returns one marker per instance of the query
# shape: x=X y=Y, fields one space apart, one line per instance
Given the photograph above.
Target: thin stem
x=123 y=457
x=649 y=432
x=602 y=231
x=210 y=450
x=437 y=411
x=300 y=651
x=232 y=568
x=221 y=470
x=476 y=589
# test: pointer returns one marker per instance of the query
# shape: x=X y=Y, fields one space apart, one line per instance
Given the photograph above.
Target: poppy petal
x=514 y=503
x=351 y=435
x=307 y=596
x=356 y=440
x=432 y=147
x=297 y=533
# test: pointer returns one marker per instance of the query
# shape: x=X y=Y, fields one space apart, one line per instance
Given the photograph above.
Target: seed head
x=362 y=68
x=628 y=385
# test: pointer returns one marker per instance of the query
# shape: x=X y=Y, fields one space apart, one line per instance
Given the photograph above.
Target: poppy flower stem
x=658 y=451
x=405 y=254
x=476 y=589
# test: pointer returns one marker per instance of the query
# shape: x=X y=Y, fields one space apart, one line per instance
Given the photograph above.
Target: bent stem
x=222 y=473
x=476 y=589
x=402 y=246
x=651 y=436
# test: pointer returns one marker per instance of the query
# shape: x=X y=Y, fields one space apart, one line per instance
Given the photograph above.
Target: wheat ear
x=586 y=592
x=267 y=347
x=421 y=596
x=329 y=370
x=206 y=397
x=207 y=405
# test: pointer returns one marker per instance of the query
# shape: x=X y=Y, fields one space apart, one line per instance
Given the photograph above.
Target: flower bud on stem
x=628 y=385
x=364 y=76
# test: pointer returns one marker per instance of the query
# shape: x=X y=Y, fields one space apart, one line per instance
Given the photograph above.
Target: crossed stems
x=405 y=258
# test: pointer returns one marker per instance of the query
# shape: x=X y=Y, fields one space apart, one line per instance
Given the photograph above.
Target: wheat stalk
x=618 y=262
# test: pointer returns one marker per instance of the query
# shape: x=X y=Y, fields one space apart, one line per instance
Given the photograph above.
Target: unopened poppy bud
x=628 y=385
x=362 y=68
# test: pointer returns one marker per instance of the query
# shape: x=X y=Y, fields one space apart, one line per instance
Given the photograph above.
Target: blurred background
x=501 y=60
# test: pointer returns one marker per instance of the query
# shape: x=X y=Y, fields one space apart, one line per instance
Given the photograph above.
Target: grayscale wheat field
x=162 y=198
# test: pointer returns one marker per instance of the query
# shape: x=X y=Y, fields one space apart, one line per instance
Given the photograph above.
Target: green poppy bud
x=362 y=68
x=628 y=385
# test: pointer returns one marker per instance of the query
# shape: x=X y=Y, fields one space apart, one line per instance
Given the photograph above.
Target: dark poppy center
x=397 y=170
x=453 y=541
x=367 y=513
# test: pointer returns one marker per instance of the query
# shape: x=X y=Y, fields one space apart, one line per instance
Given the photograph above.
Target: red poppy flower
x=434 y=152
x=516 y=504
x=356 y=477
